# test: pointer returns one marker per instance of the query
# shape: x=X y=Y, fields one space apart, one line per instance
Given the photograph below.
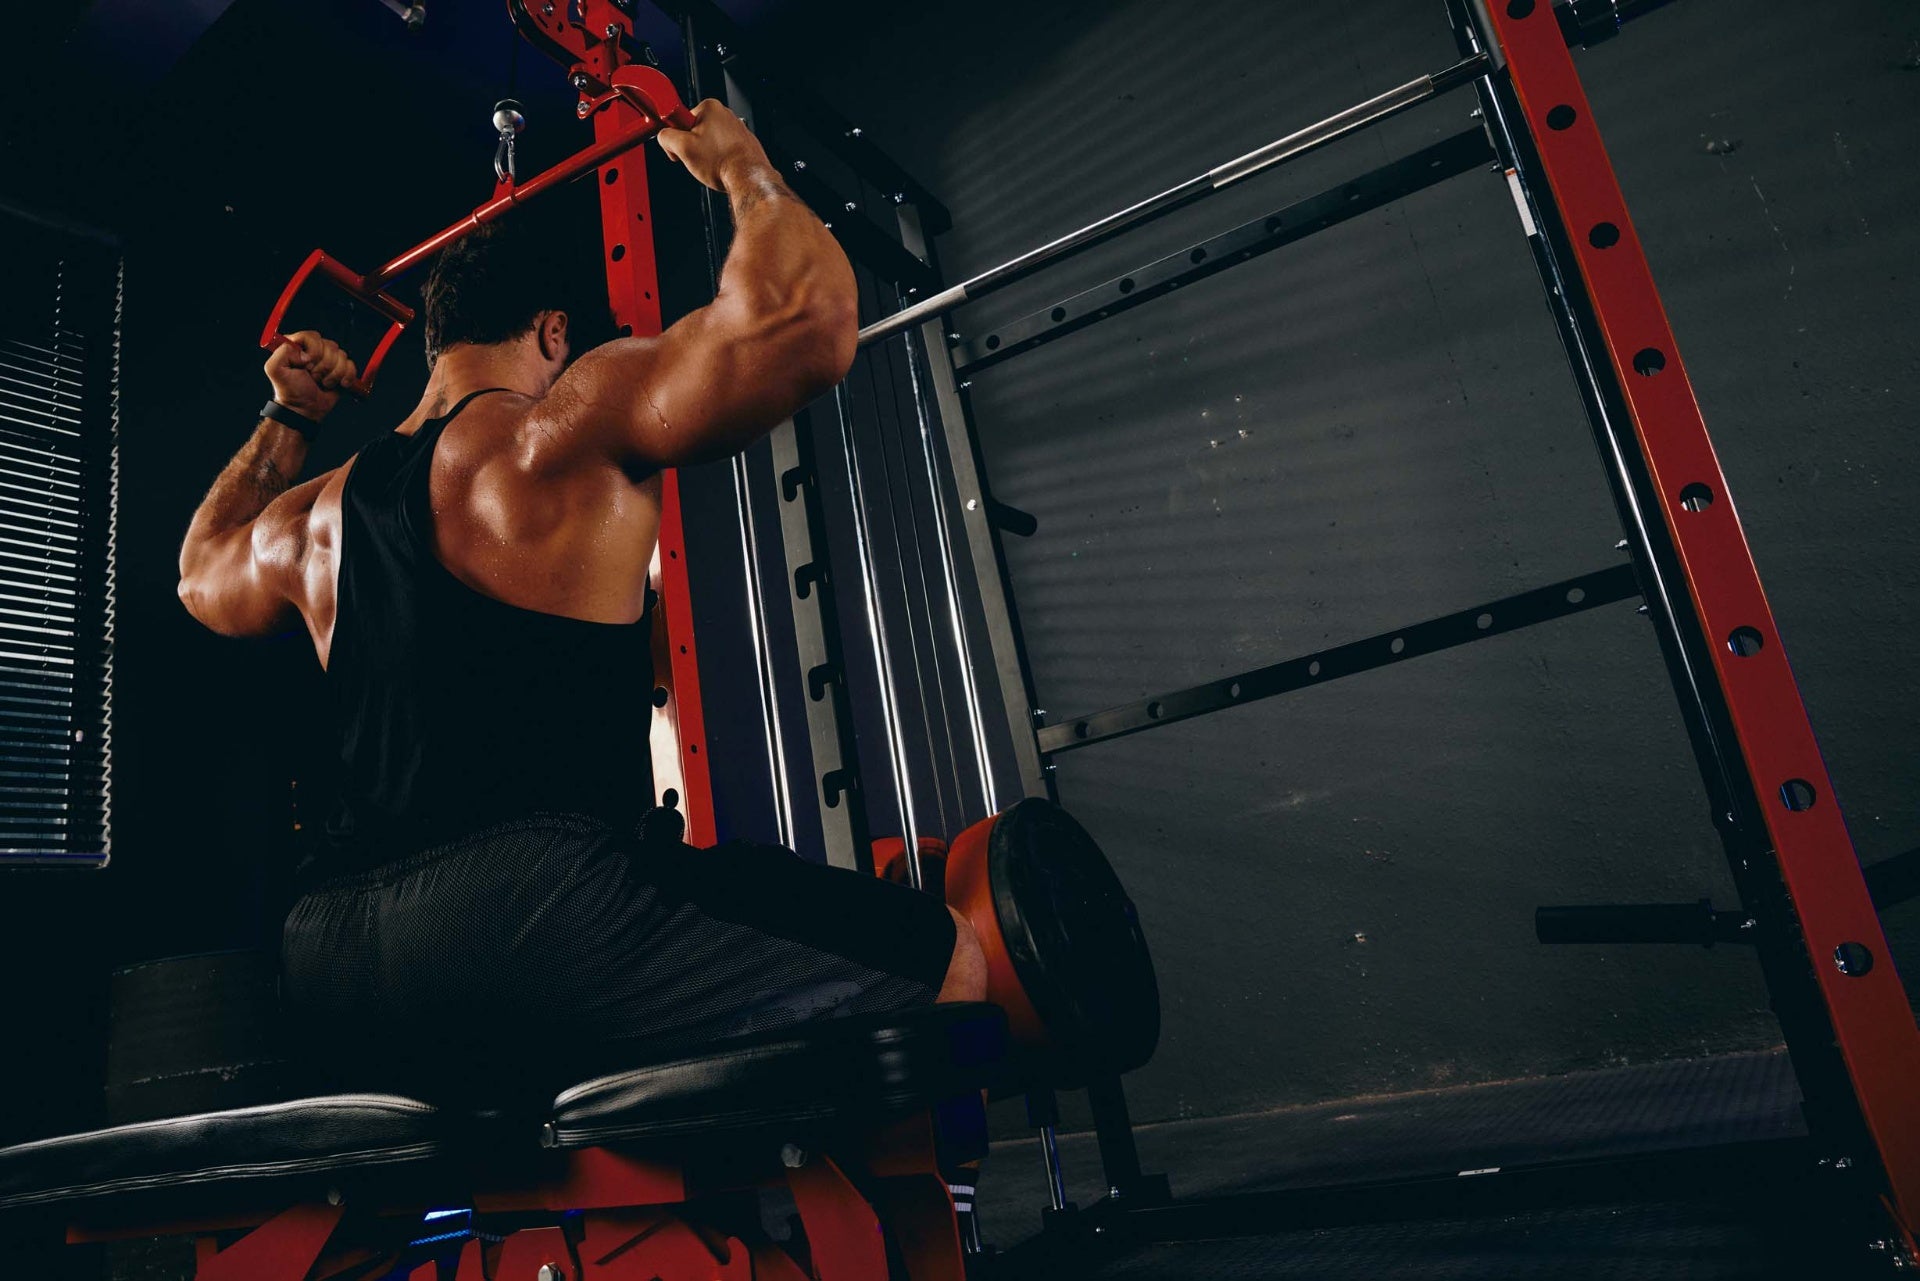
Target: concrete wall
x=1376 y=427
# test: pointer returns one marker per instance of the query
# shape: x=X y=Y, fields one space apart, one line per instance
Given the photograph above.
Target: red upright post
x=1872 y=1021
x=633 y=287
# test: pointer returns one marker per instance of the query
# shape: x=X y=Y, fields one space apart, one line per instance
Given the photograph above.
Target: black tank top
x=456 y=710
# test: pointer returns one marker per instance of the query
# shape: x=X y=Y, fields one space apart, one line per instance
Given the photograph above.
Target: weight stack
x=195 y=1033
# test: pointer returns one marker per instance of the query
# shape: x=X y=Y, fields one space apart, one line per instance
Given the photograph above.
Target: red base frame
x=642 y=1219
x=1872 y=1020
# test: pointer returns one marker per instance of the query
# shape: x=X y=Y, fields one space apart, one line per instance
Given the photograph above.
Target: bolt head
x=793 y=1156
x=613 y=31
x=720 y=49
x=546 y=11
x=854 y=132
x=799 y=165
x=583 y=110
x=550 y=1272
x=850 y=206
x=507 y=116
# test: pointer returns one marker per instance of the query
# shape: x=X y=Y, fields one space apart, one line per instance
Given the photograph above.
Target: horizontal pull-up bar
x=1557 y=600
x=1297 y=143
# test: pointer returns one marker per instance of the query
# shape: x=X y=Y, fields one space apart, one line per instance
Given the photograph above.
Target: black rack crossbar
x=1721 y=1173
x=1542 y=604
x=1219 y=178
x=1425 y=168
x=1894 y=880
x=834 y=131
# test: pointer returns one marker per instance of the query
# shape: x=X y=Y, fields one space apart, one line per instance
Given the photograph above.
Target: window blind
x=60 y=298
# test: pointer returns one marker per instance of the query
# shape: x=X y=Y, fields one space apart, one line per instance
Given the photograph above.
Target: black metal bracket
x=838 y=134
x=1427 y=167
x=1558 y=600
x=861 y=237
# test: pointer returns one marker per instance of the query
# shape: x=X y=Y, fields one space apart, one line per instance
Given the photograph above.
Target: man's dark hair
x=489 y=286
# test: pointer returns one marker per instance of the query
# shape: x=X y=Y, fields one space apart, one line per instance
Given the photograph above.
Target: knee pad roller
x=1065 y=954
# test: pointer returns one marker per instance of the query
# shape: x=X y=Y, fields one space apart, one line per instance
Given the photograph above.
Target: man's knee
x=967 y=971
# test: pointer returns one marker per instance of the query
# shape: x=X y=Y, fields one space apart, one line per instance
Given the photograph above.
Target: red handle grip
x=651 y=91
x=351 y=283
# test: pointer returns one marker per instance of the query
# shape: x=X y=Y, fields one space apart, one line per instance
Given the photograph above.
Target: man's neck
x=465 y=369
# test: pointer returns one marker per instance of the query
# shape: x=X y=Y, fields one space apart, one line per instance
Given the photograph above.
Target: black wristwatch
x=293 y=418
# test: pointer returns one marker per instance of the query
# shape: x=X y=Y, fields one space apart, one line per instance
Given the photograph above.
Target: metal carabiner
x=509 y=121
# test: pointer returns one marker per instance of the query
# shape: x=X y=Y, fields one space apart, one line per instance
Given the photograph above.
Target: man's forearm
x=781 y=250
x=264 y=469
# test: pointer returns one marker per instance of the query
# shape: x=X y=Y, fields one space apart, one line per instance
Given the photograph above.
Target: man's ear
x=552 y=332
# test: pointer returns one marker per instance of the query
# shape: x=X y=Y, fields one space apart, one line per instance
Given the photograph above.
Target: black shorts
x=550 y=939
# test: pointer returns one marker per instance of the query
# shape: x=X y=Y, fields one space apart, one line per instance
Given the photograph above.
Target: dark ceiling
x=124 y=113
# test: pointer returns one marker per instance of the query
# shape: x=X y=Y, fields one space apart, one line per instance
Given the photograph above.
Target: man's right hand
x=717 y=146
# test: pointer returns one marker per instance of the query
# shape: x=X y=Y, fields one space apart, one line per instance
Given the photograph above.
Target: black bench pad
x=867 y=1067
x=799 y=1078
x=300 y=1136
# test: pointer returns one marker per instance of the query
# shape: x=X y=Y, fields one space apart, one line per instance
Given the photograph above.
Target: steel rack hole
x=1126 y=284
x=1561 y=118
x=1746 y=642
x=613 y=176
x=619 y=252
x=1155 y=710
x=1853 y=959
x=993 y=342
x=1198 y=255
x=1696 y=497
x=1649 y=361
x=1604 y=235
x=1797 y=794
x=1519 y=8
x=1059 y=314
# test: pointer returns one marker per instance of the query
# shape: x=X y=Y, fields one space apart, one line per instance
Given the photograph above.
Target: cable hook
x=509 y=120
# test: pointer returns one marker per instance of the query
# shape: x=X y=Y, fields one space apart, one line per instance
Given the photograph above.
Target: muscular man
x=475 y=585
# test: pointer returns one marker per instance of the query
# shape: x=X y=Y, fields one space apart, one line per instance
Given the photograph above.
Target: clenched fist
x=307 y=372
x=717 y=146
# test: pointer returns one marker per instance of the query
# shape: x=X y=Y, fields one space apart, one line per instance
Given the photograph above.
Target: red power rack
x=1872 y=1024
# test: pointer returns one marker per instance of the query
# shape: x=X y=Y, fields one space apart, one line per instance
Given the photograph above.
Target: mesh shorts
x=559 y=941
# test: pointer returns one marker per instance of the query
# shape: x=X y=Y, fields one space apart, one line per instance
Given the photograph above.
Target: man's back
x=462 y=695
x=479 y=560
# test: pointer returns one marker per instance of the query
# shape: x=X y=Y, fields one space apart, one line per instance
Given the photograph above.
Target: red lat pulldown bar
x=646 y=91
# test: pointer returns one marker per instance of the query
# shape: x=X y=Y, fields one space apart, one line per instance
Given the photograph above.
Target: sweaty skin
x=547 y=496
